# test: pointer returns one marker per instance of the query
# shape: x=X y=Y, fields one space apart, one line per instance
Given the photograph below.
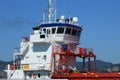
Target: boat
x=51 y=50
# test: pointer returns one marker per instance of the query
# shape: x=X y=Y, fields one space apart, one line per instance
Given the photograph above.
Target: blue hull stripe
x=59 y=25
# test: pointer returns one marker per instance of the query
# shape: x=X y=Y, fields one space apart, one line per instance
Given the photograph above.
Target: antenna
x=52 y=11
x=44 y=15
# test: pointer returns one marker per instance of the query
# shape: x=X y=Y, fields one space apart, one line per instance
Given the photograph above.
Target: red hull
x=61 y=73
x=88 y=76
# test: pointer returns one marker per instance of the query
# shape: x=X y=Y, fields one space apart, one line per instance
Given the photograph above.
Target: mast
x=52 y=11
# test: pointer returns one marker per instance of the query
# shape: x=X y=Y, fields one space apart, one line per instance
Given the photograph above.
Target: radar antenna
x=52 y=11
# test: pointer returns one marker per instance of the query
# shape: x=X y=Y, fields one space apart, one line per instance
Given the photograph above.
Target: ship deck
x=87 y=76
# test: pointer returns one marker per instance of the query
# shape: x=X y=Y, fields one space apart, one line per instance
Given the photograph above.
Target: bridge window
x=44 y=30
x=48 y=31
x=53 y=30
x=74 y=31
x=68 y=31
x=78 y=33
x=60 y=30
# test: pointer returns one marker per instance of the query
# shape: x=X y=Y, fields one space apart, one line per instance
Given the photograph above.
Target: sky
x=100 y=20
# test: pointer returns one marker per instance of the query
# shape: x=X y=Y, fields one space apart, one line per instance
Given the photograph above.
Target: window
x=64 y=47
x=60 y=30
x=42 y=36
x=78 y=33
x=45 y=57
x=40 y=47
x=44 y=30
x=74 y=31
x=53 y=30
x=39 y=75
x=48 y=31
x=30 y=75
x=68 y=31
x=40 y=31
x=48 y=74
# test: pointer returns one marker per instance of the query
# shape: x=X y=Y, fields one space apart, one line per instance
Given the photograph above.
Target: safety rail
x=76 y=51
x=11 y=74
x=57 y=49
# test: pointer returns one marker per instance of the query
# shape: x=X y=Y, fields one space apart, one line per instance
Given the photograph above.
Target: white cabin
x=34 y=60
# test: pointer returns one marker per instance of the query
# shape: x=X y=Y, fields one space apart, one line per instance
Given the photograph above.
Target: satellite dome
x=75 y=19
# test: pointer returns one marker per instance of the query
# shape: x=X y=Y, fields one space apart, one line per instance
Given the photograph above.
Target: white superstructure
x=34 y=59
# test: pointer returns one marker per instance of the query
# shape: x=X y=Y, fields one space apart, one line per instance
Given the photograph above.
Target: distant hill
x=3 y=64
x=101 y=66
